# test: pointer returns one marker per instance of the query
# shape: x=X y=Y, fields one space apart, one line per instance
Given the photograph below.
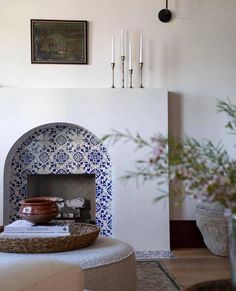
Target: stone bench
x=108 y=264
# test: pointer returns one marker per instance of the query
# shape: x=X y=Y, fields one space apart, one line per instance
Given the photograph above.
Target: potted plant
x=203 y=170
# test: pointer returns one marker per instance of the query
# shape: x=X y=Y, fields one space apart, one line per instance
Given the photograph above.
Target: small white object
x=75 y=203
x=53 y=226
x=32 y=234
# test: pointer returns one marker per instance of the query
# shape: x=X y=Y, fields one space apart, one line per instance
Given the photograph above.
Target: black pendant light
x=165 y=14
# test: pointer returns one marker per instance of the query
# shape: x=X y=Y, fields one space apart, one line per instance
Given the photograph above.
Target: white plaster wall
x=137 y=219
x=193 y=55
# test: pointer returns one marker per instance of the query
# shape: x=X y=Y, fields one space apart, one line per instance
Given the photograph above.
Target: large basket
x=84 y=235
x=213 y=226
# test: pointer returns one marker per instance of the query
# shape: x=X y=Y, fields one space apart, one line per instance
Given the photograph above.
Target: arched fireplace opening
x=62 y=160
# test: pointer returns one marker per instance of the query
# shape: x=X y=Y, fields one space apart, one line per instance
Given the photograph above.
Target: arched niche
x=58 y=148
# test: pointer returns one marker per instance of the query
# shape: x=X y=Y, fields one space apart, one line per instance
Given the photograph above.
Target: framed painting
x=59 y=42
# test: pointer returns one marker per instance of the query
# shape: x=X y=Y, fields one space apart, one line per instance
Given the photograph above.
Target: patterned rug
x=153 y=276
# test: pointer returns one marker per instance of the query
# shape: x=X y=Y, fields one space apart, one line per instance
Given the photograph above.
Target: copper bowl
x=38 y=210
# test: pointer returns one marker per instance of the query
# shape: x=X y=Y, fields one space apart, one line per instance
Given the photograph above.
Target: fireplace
x=75 y=194
x=62 y=160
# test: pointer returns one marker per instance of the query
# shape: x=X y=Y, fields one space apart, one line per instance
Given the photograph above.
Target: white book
x=23 y=226
x=32 y=235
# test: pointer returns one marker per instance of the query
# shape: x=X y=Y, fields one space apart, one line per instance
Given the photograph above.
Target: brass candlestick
x=141 y=75
x=123 y=71
x=113 y=75
x=130 y=78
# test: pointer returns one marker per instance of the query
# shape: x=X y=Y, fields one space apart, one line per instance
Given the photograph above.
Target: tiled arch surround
x=59 y=148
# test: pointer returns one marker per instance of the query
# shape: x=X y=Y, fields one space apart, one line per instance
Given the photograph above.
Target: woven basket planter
x=213 y=226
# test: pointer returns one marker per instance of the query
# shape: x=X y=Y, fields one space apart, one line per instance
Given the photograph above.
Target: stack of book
x=25 y=229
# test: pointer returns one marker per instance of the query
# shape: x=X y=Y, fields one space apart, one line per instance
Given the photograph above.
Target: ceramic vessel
x=38 y=210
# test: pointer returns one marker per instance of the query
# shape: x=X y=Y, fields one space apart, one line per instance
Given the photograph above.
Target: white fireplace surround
x=136 y=218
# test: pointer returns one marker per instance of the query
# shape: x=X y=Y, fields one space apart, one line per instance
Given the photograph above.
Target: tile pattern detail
x=61 y=148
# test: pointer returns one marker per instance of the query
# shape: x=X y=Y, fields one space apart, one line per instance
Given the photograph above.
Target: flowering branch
x=230 y=110
x=200 y=169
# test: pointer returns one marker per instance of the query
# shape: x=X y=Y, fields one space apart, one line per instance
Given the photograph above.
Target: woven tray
x=84 y=235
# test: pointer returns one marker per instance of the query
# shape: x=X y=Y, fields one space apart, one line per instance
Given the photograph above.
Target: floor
x=193 y=266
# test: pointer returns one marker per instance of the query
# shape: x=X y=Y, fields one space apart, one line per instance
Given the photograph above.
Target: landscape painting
x=58 y=41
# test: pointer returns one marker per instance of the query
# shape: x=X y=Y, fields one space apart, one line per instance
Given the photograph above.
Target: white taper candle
x=112 y=50
x=141 y=49
x=130 y=55
x=122 y=43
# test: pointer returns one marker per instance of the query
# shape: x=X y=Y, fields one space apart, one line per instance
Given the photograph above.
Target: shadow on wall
x=174 y=114
x=175 y=130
